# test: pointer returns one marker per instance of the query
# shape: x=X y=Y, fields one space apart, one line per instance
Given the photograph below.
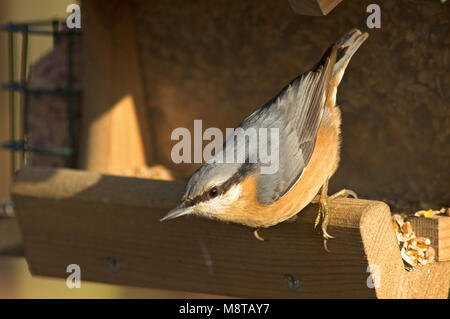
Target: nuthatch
x=308 y=122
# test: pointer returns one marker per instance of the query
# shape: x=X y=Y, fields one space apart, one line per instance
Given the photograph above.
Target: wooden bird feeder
x=109 y=226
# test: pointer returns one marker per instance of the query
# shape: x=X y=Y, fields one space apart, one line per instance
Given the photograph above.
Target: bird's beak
x=177 y=212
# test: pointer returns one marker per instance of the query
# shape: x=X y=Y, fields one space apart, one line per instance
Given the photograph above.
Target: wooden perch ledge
x=109 y=225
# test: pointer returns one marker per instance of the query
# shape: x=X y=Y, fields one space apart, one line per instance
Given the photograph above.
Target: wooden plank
x=115 y=131
x=313 y=7
x=109 y=225
x=437 y=229
x=10 y=238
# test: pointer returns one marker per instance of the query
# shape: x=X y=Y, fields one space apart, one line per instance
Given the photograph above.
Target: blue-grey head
x=211 y=189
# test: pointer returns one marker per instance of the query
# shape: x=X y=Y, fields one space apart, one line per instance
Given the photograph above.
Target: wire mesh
x=19 y=145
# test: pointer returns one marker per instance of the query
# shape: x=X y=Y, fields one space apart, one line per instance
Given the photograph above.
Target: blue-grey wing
x=296 y=114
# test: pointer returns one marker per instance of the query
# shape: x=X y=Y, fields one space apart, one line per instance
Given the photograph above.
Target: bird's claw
x=256 y=234
x=343 y=193
x=323 y=218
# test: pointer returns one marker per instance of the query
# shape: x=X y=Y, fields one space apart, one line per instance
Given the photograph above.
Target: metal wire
x=70 y=117
x=37 y=28
x=14 y=86
x=19 y=116
x=23 y=80
x=12 y=100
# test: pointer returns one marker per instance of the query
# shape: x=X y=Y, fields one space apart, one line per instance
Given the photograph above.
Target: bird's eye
x=213 y=192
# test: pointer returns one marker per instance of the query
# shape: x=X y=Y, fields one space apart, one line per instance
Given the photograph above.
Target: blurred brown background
x=218 y=61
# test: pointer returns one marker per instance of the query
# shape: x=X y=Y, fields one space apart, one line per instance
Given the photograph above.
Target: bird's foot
x=323 y=217
x=343 y=193
x=256 y=234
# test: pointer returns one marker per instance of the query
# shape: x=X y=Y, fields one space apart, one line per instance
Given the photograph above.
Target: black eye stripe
x=238 y=177
x=213 y=192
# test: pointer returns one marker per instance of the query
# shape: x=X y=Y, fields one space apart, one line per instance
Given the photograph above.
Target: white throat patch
x=219 y=203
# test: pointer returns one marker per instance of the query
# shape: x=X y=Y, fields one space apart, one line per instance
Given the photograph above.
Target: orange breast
x=248 y=211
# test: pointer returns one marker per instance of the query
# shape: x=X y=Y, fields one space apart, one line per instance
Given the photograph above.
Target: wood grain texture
x=69 y=216
x=10 y=238
x=115 y=131
x=437 y=229
x=313 y=7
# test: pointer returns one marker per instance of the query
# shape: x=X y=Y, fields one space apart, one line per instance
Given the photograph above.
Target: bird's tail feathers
x=347 y=46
